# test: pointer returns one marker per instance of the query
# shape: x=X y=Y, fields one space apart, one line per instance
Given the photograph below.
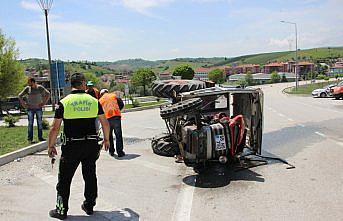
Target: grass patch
x=14 y=138
x=308 y=88
x=48 y=113
x=128 y=106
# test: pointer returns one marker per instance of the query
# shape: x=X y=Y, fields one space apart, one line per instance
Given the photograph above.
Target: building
x=166 y=75
x=242 y=69
x=201 y=74
x=337 y=69
x=275 y=67
x=304 y=67
x=262 y=78
x=107 y=78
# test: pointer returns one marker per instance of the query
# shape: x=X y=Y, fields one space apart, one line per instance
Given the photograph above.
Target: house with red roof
x=201 y=73
x=337 y=68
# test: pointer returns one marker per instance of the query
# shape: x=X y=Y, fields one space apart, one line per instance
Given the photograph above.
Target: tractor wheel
x=166 y=88
x=181 y=108
x=164 y=145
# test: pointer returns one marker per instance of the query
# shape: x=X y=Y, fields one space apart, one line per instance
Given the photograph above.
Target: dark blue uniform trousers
x=74 y=153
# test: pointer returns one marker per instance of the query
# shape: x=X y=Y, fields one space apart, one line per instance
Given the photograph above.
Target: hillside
x=84 y=67
x=99 y=68
x=307 y=54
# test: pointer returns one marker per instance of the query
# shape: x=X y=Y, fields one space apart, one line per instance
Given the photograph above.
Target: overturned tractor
x=217 y=124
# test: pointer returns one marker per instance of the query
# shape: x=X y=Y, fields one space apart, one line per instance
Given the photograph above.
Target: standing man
x=112 y=106
x=78 y=112
x=36 y=97
x=91 y=90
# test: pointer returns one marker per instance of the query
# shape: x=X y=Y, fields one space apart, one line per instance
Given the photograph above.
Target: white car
x=323 y=92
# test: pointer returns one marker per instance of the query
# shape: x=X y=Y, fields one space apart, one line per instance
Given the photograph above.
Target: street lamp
x=296 y=51
x=46 y=5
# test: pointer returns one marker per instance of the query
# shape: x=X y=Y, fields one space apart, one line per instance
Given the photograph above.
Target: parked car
x=323 y=92
x=10 y=103
x=337 y=91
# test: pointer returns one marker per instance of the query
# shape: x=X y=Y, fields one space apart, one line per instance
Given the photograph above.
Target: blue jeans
x=115 y=125
x=39 y=117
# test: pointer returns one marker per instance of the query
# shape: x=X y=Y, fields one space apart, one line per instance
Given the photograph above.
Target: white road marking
x=112 y=212
x=320 y=134
x=183 y=207
x=301 y=125
x=340 y=143
x=290 y=119
x=281 y=115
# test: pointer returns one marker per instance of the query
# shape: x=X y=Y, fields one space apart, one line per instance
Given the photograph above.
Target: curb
x=143 y=108
x=9 y=157
x=123 y=111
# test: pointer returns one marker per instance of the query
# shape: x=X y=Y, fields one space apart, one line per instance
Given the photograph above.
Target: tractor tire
x=164 y=145
x=165 y=88
x=181 y=108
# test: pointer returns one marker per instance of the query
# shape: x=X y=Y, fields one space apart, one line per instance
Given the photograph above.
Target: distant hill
x=73 y=66
x=307 y=54
x=130 y=64
x=99 y=68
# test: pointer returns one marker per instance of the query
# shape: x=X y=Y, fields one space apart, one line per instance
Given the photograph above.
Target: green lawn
x=15 y=138
x=308 y=88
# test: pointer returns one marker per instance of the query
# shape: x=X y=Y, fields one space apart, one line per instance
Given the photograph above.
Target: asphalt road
x=305 y=131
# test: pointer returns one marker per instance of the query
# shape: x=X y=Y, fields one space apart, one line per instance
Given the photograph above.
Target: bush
x=135 y=103
x=10 y=120
x=320 y=77
x=45 y=124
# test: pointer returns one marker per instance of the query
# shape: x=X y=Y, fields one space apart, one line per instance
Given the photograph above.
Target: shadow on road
x=217 y=176
x=117 y=215
x=128 y=156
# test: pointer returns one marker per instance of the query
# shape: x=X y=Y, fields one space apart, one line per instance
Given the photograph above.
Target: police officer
x=78 y=111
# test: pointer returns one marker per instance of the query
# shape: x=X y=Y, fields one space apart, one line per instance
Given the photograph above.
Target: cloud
x=280 y=43
x=175 y=50
x=142 y=6
x=76 y=40
x=29 y=5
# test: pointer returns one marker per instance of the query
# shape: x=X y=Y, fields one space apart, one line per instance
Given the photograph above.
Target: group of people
x=80 y=111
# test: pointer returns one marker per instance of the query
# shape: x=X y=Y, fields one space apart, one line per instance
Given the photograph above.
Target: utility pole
x=296 y=52
x=46 y=5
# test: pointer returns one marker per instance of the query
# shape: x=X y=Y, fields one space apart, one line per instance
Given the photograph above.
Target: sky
x=110 y=30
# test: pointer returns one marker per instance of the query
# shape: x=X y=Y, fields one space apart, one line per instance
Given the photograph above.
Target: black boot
x=88 y=210
x=54 y=214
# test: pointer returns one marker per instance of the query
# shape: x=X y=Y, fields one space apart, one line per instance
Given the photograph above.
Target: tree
x=185 y=71
x=242 y=83
x=12 y=77
x=275 y=78
x=217 y=75
x=249 y=79
x=91 y=77
x=143 y=77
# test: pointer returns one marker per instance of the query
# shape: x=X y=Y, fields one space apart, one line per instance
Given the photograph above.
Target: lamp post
x=46 y=5
x=296 y=51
